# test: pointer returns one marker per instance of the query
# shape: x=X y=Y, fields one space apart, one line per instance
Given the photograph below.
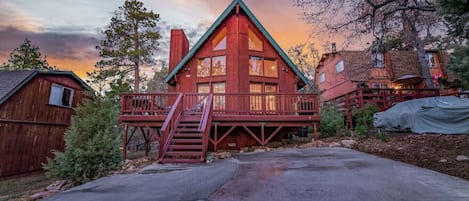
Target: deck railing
x=147 y=104
x=222 y=104
x=170 y=124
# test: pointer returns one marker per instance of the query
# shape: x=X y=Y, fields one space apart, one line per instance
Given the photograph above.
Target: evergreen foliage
x=92 y=143
x=364 y=119
x=459 y=64
x=129 y=41
x=26 y=57
x=331 y=121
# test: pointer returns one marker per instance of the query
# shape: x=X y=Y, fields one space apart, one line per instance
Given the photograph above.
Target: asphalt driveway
x=291 y=174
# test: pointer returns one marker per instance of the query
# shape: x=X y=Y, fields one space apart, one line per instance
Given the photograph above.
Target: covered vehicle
x=444 y=114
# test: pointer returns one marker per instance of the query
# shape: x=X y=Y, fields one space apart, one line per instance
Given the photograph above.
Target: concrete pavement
x=291 y=174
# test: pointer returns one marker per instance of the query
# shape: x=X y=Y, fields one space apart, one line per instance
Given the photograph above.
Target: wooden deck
x=383 y=98
x=187 y=125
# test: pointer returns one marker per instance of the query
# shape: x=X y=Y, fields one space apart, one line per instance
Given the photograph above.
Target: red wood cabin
x=35 y=110
x=235 y=88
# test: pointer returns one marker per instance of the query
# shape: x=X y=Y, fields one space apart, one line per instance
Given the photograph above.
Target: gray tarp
x=445 y=114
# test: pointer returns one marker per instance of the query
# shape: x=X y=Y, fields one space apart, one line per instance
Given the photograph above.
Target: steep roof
x=217 y=23
x=13 y=80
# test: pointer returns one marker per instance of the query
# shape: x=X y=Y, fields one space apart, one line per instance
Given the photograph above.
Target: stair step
x=181 y=160
x=187 y=135
x=185 y=140
x=189 y=124
x=190 y=118
x=184 y=153
x=186 y=147
x=187 y=130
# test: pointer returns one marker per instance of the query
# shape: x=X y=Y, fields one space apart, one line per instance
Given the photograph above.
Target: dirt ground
x=431 y=151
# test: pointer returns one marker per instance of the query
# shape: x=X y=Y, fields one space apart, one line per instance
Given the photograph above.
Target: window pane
x=66 y=97
x=56 y=95
x=219 y=101
x=219 y=65
x=255 y=102
x=270 y=101
x=270 y=68
x=255 y=66
x=430 y=59
x=219 y=42
x=378 y=59
x=322 y=77
x=203 y=88
x=339 y=67
x=255 y=42
x=203 y=67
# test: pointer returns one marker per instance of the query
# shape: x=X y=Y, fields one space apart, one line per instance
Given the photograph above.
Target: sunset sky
x=67 y=31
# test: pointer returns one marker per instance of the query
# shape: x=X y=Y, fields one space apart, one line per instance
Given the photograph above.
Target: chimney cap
x=334 y=48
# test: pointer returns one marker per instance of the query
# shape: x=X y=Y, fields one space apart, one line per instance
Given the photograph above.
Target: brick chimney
x=178 y=48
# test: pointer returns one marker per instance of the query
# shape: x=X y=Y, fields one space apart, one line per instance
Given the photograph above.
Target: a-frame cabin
x=235 y=88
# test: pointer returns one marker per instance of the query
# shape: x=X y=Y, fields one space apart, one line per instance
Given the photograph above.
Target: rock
x=57 y=185
x=222 y=155
x=260 y=150
x=462 y=158
x=443 y=160
x=347 y=143
x=41 y=195
x=400 y=148
x=334 y=144
x=131 y=168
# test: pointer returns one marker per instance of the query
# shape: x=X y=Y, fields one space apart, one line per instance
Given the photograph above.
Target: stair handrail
x=169 y=125
x=205 y=125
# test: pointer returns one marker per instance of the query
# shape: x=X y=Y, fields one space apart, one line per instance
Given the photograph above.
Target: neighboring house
x=239 y=69
x=344 y=71
x=35 y=110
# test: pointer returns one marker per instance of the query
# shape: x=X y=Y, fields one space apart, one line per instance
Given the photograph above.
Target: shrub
x=331 y=121
x=92 y=144
x=364 y=119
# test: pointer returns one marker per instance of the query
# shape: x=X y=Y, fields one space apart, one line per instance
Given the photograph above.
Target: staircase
x=186 y=145
x=187 y=141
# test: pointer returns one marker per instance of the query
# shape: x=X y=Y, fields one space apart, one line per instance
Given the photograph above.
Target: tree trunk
x=425 y=71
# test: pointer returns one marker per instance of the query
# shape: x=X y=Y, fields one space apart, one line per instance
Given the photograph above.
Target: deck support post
x=262 y=134
x=124 y=141
x=215 y=145
x=315 y=131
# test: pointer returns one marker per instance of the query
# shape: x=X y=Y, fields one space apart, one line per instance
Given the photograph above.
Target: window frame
x=263 y=66
x=340 y=63
x=224 y=38
x=431 y=55
x=59 y=101
x=322 y=77
x=251 y=32
x=377 y=59
x=211 y=63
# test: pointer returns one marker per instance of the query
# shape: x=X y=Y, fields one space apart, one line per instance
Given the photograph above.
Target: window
x=61 y=96
x=203 y=67
x=430 y=59
x=211 y=66
x=255 y=43
x=378 y=59
x=219 y=42
x=379 y=86
x=339 y=67
x=322 y=78
x=256 y=103
x=259 y=66
x=219 y=87
x=219 y=65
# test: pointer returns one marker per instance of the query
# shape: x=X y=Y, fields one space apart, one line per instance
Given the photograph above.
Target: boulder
x=334 y=144
x=347 y=143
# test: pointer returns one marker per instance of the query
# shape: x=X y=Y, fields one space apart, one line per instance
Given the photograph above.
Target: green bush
x=331 y=121
x=92 y=144
x=364 y=119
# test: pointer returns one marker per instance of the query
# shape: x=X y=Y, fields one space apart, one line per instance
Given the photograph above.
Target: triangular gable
x=217 y=23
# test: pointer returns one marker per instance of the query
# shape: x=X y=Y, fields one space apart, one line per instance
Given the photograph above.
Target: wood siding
x=30 y=128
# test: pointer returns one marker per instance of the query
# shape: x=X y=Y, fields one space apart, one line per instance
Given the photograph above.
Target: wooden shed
x=35 y=110
x=235 y=88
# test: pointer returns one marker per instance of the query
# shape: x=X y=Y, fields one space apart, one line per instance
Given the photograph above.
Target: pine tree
x=92 y=143
x=27 y=56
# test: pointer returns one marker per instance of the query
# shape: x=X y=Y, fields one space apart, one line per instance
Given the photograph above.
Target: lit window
x=219 y=65
x=270 y=68
x=256 y=102
x=219 y=42
x=322 y=78
x=203 y=88
x=430 y=59
x=218 y=101
x=378 y=59
x=270 y=103
x=379 y=85
x=203 y=67
x=61 y=96
x=255 y=43
x=339 y=67
x=255 y=66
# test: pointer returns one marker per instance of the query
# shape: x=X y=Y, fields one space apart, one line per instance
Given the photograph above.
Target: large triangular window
x=255 y=43
x=219 y=42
